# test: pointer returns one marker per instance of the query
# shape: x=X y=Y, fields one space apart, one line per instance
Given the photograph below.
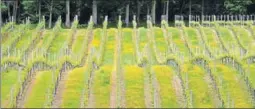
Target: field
x=152 y=67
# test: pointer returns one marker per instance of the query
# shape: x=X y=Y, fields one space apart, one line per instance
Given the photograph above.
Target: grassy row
x=212 y=41
x=74 y=86
x=10 y=86
x=47 y=91
x=142 y=38
x=194 y=41
x=179 y=42
x=110 y=45
x=78 y=45
x=42 y=88
x=134 y=82
x=197 y=88
x=227 y=38
x=59 y=45
x=250 y=73
x=160 y=43
x=164 y=76
x=231 y=86
x=102 y=42
x=23 y=73
x=15 y=35
x=127 y=48
x=101 y=86
x=243 y=36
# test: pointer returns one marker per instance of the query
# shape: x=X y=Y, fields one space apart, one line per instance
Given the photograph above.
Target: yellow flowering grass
x=243 y=36
x=134 y=82
x=232 y=86
x=164 y=75
x=179 y=41
x=197 y=84
x=41 y=92
x=110 y=47
x=97 y=38
x=74 y=87
x=128 y=52
x=101 y=86
x=211 y=39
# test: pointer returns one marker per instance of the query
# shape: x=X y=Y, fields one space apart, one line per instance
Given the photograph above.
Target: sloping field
x=153 y=67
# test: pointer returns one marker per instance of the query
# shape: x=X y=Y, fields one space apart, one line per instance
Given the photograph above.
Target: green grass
x=46 y=40
x=59 y=43
x=211 y=39
x=9 y=37
x=41 y=92
x=9 y=81
x=160 y=40
x=78 y=45
x=201 y=95
x=164 y=76
x=134 y=82
x=97 y=38
x=101 y=87
x=231 y=86
x=250 y=72
x=227 y=37
x=110 y=47
x=74 y=86
x=243 y=36
x=128 y=50
x=78 y=42
x=24 y=41
x=179 y=42
x=193 y=39
x=142 y=37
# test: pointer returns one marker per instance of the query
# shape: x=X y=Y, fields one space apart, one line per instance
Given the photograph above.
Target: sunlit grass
x=227 y=37
x=232 y=87
x=41 y=90
x=179 y=41
x=142 y=38
x=134 y=82
x=164 y=75
x=78 y=43
x=160 y=40
x=243 y=36
x=110 y=47
x=9 y=80
x=250 y=72
x=74 y=86
x=101 y=87
x=97 y=38
x=128 y=53
x=198 y=88
x=211 y=39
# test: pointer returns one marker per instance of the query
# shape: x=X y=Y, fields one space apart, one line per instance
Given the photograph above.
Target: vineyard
x=210 y=64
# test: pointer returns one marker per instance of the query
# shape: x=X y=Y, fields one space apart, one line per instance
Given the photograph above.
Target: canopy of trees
x=67 y=9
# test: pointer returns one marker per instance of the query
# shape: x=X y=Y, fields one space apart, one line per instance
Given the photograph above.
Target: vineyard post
x=12 y=21
x=228 y=18
x=209 y=20
x=253 y=19
x=244 y=19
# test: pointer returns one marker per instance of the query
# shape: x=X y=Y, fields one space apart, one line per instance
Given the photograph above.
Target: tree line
x=18 y=10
